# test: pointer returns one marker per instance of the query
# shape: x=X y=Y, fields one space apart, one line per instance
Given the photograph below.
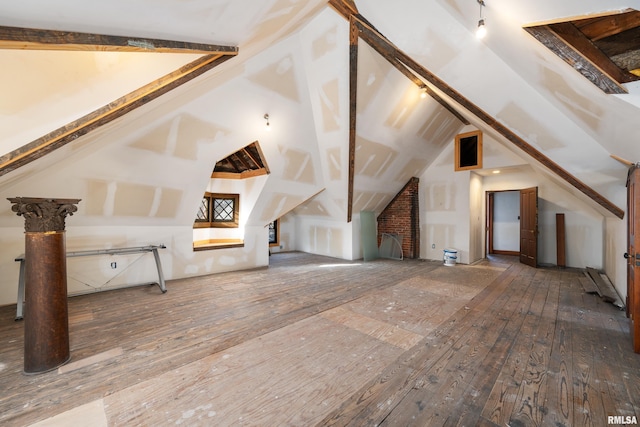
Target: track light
x=423 y=92
x=267 y=126
x=481 y=31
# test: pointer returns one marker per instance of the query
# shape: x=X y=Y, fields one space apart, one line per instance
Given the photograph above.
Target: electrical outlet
x=114 y=265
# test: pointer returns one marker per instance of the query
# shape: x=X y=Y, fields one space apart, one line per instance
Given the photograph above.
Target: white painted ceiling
x=508 y=74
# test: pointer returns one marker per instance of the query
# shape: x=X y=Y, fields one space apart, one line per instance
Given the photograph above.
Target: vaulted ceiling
x=509 y=85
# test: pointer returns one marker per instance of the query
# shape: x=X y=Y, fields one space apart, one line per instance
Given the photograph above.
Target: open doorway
x=512 y=224
x=503 y=222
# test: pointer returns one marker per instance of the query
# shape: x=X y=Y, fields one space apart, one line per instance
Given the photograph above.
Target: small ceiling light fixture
x=267 y=126
x=423 y=92
x=497 y=171
x=481 y=31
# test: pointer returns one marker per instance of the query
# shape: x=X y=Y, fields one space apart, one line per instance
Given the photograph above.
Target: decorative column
x=46 y=320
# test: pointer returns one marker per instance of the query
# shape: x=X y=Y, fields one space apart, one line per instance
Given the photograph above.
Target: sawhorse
x=115 y=251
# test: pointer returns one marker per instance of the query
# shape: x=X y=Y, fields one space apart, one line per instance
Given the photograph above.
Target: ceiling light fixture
x=268 y=125
x=423 y=92
x=481 y=31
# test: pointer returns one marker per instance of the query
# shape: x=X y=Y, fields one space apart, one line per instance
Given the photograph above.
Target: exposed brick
x=401 y=216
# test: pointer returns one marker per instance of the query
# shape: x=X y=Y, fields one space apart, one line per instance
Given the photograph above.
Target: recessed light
x=496 y=171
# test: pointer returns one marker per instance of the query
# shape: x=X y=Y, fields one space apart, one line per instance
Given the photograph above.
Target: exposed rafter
x=604 y=47
x=558 y=45
x=247 y=162
x=108 y=113
x=394 y=55
x=348 y=10
x=350 y=5
x=381 y=44
x=37 y=39
x=342 y=8
x=415 y=79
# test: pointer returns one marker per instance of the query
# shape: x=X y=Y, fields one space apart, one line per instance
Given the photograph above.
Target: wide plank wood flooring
x=313 y=341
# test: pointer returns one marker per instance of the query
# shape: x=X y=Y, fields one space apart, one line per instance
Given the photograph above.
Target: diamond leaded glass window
x=218 y=210
x=203 y=212
x=223 y=209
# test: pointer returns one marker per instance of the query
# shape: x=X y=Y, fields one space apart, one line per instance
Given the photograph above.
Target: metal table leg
x=20 y=302
x=161 y=283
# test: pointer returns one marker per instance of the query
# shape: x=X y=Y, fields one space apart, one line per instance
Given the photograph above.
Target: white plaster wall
x=12 y=243
x=94 y=273
x=445 y=209
x=323 y=236
x=584 y=226
x=59 y=87
x=248 y=190
x=583 y=222
x=327 y=79
x=287 y=235
x=452 y=216
x=141 y=177
x=357 y=252
x=553 y=109
x=615 y=264
x=305 y=95
x=476 y=218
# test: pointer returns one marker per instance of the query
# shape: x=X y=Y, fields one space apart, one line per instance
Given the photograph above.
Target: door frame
x=489 y=219
x=490 y=215
x=633 y=255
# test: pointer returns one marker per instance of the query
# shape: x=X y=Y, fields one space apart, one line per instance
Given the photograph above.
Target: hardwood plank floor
x=319 y=341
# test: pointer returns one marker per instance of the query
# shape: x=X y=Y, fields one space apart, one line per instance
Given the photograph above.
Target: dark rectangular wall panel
x=560 y=241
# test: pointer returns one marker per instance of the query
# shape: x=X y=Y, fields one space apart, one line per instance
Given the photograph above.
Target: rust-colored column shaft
x=46 y=328
x=46 y=324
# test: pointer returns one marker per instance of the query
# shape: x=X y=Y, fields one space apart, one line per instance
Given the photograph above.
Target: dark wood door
x=633 y=257
x=489 y=225
x=529 y=226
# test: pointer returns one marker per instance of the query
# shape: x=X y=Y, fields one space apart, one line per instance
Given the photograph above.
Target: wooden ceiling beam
x=233 y=160
x=574 y=38
x=575 y=59
x=37 y=39
x=351 y=14
x=418 y=82
x=605 y=26
x=263 y=160
x=243 y=160
x=347 y=12
x=349 y=5
x=341 y=8
x=92 y=121
x=257 y=162
x=372 y=37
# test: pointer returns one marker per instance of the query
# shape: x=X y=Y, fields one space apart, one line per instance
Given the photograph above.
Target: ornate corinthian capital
x=42 y=215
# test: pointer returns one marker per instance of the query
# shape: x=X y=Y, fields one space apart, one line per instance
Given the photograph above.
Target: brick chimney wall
x=401 y=216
